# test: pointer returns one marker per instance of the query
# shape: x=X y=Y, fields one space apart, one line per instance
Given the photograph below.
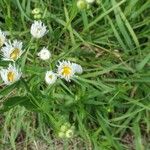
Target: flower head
x=11 y=74
x=2 y=38
x=50 y=77
x=78 y=69
x=12 y=51
x=66 y=70
x=38 y=29
x=44 y=54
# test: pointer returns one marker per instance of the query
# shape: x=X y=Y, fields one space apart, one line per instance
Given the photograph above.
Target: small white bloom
x=11 y=74
x=50 y=77
x=12 y=51
x=78 y=69
x=2 y=38
x=66 y=70
x=44 y=54
x=89 y=1
x=38 y=29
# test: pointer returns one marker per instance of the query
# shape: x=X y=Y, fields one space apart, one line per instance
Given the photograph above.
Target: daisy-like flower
x=66 y=70
x=2 y=38
x=78 y=69
x=38 y=29
x=89 y=1
x=12 y=51
x=50 y=77
x=44 y=54
x=11 y=74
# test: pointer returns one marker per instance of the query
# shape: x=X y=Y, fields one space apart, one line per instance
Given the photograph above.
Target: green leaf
x=141 y=65
x=12 y=102
x=8 y=89
x=29 y=105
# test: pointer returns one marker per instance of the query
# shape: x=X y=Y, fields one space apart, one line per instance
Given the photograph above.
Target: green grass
x=109 y=104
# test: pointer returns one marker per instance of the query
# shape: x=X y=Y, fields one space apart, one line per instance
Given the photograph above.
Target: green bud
x=81 y=4
x=69 y=133
x=61 y=134
x=38 y=16
x=65 y=127
x=36 y=11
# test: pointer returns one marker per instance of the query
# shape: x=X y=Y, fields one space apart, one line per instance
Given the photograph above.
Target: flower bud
x=61 y=134
x=81 y=4
x=37 y=16
x=36 y=11
x=69 y=133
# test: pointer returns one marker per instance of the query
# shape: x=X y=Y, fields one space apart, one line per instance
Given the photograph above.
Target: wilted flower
x=11 y=74
x=50 y=77
x=12 y=51
x=38 y=29
x=66 y=70
x=37 y=16
x=2 y=38
x=44 y=54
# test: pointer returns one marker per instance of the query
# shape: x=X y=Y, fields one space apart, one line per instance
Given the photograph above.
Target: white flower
x=12 y=51
x=66 y=70
x=89 y=1
x=38 y=29
x=11 y=74
x=50 y=77
x=2 y=38
x=78 y=69
x=44 y=54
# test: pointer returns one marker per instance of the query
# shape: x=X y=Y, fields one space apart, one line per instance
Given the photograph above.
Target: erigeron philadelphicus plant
x=13 y=52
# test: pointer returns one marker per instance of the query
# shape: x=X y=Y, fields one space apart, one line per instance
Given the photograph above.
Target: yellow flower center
x=11 y=76
x=66 y=71
x=14 y=55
